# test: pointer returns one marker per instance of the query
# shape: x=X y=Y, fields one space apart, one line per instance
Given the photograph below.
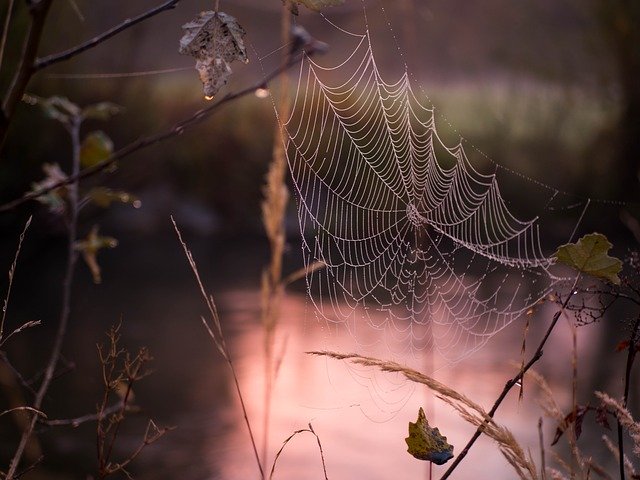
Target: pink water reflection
x=360 y=415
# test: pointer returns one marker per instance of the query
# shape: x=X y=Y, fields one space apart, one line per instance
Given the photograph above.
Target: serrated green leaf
x=101 y=111
x=426 y=443
x=96 y=147
x=90 y=246
x=104 y=197
x=590 y=255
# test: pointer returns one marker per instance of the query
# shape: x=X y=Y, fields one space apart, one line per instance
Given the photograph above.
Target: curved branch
x=174 y=131
x=41 y=63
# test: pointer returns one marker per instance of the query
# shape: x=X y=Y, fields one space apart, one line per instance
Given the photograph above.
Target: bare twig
x=284 y=444
x=24 y=326
x=74 y=130
x=12 y=272
x=41 y=63
x=28 y=409
x=76 y=422
x=631 y=355
x=543 y=466
x=511 y=383
x=218 y=339
x=5 y=32
x=144 y=142
x=38 y=11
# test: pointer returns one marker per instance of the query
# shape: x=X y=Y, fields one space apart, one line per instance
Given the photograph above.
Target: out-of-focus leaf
x=90 y=246
x=56 y=107
x=55 y=199
x=315 y=5
x=104 y=197
x=426 y=443
x=590 y=255
x=623 y=345
x=96 y=147
x=214 y=39
x=601 y=417
x=101 y=111
x=574 y=417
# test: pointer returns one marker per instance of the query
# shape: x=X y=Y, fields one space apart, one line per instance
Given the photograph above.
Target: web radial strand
x=416 y=241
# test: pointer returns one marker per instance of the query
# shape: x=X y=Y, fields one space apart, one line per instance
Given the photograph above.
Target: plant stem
x=511 y=383
x=144 y=142
x=41 y=63
x=631 y=356
x=25 y=70
x=74 y=131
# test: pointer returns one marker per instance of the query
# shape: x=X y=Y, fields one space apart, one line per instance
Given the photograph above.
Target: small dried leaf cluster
x=120 y=372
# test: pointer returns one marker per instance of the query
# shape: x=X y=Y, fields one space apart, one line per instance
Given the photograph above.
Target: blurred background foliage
x=545 y=87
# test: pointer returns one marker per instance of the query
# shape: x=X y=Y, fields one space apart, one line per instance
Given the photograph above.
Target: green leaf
x=426 y=443
x=214 y=39
x=90 y=246
x=96 y=147
x=104 y=197
x=101 y=111
x=56 y=107
x=590 y=255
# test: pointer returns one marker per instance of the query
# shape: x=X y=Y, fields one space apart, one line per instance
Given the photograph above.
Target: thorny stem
x=41 y=63
x=631 y=356
x=74 y=131
x=511 y=383
x=144 y=142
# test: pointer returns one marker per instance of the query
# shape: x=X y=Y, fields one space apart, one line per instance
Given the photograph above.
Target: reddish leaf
x=601 y=417
x=623 y=345
x=581 y=410
x=574 y=417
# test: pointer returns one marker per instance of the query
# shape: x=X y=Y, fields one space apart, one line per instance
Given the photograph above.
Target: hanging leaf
x=101 y=111
x=426 y=443
x=574 y=417
x=601 y=417
x=54 y=199
x=214 y=39
x=590 y=255
x=96 y=147
x=104 y=197
x=90 y=246
x=314 y=5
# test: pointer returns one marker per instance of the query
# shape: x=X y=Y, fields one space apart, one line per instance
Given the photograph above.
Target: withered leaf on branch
x=214 y=39
x=89 y=248
x=314 y=5
x=427 y=443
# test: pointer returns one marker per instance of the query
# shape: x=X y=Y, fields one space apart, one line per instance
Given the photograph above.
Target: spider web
x=417 y=242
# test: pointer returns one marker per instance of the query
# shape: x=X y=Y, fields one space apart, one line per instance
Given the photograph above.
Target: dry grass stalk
x=624 y=417
x=284 y=444
x=12 y=272
x=465 y=407
x=628 y=466
x=217 y=336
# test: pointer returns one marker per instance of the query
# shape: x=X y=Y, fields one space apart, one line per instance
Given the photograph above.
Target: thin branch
x=39 y=11
x=74 y=130
x=5 y=32
x=28 y=409
x=174 y=131
x=76 y=422
x=41 y=63
x=511 y=383
x=631 y=355
x=12 y=272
